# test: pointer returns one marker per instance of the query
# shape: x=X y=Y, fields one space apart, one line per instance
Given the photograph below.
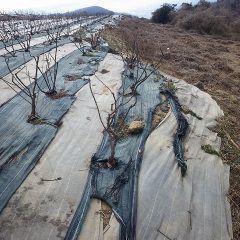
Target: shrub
x=203 y=4
x=219 y=18
x=186 y=6
x=163 y=14
x=205 y=22
x=236 y=26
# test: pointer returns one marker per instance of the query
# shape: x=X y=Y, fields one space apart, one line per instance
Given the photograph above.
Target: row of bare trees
x=27 y=82
x=82 y=40
x=22 y=80
x=12 y=34
x=132 y=49
x=34 y=27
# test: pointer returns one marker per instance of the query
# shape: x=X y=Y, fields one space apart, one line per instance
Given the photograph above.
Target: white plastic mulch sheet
x=196 y=206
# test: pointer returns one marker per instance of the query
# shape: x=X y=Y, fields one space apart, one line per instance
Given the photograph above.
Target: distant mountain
x=91 y=10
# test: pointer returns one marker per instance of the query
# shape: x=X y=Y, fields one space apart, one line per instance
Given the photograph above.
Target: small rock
x=199 y=85
x=136 y=127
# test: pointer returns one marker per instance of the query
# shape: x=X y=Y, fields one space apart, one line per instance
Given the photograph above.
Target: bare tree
x=110 y=126
x=54 y=33
x=39 y=26
x=48 y=73
x=78 y=40
x=142 y=73
x=67 y=30
x=134 y=51
x=25 y=40
x=7 y=38
x=12 y=32
x=94 y=39
x=28 y=89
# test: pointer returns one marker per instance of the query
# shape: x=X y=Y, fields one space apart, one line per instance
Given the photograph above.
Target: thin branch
x=98 y=110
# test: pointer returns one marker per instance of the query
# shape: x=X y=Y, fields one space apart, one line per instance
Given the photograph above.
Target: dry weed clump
x=160 y=113
x=106 y=212
x=136 y=127
x=121 y=128
x=207 y=61
x=58 y=95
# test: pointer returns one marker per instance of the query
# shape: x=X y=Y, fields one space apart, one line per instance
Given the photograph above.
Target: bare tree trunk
x=113 y=142
x=33 y=112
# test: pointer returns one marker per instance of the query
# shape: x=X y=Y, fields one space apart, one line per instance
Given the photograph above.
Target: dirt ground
x=212 y=64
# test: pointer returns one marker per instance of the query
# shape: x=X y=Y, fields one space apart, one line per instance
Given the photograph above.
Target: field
x=110 y=129
x=212 y=64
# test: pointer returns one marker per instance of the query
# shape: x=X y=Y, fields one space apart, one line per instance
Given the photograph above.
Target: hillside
x=92 y=10
x=219 y=18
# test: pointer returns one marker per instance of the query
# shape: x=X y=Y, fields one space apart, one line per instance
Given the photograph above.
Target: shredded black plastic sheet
x=118 y=186
x=21 y=143
x=181 y=129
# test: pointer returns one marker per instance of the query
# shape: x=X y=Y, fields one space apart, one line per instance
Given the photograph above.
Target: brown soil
x=73 y=77
x=212 y=64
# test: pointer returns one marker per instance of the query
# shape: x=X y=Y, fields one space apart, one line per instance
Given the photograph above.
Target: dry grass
x=57 y=95
x=121 y=128
x=106 y=213
x=212 y=20
x=186 y=110
x=160 y=113
x=80 y=61
x=136 y=127
x=220 y=18
x=206 y=61
x=209 y=149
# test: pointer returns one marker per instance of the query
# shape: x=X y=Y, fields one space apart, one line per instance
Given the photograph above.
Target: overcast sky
x=138 y=7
